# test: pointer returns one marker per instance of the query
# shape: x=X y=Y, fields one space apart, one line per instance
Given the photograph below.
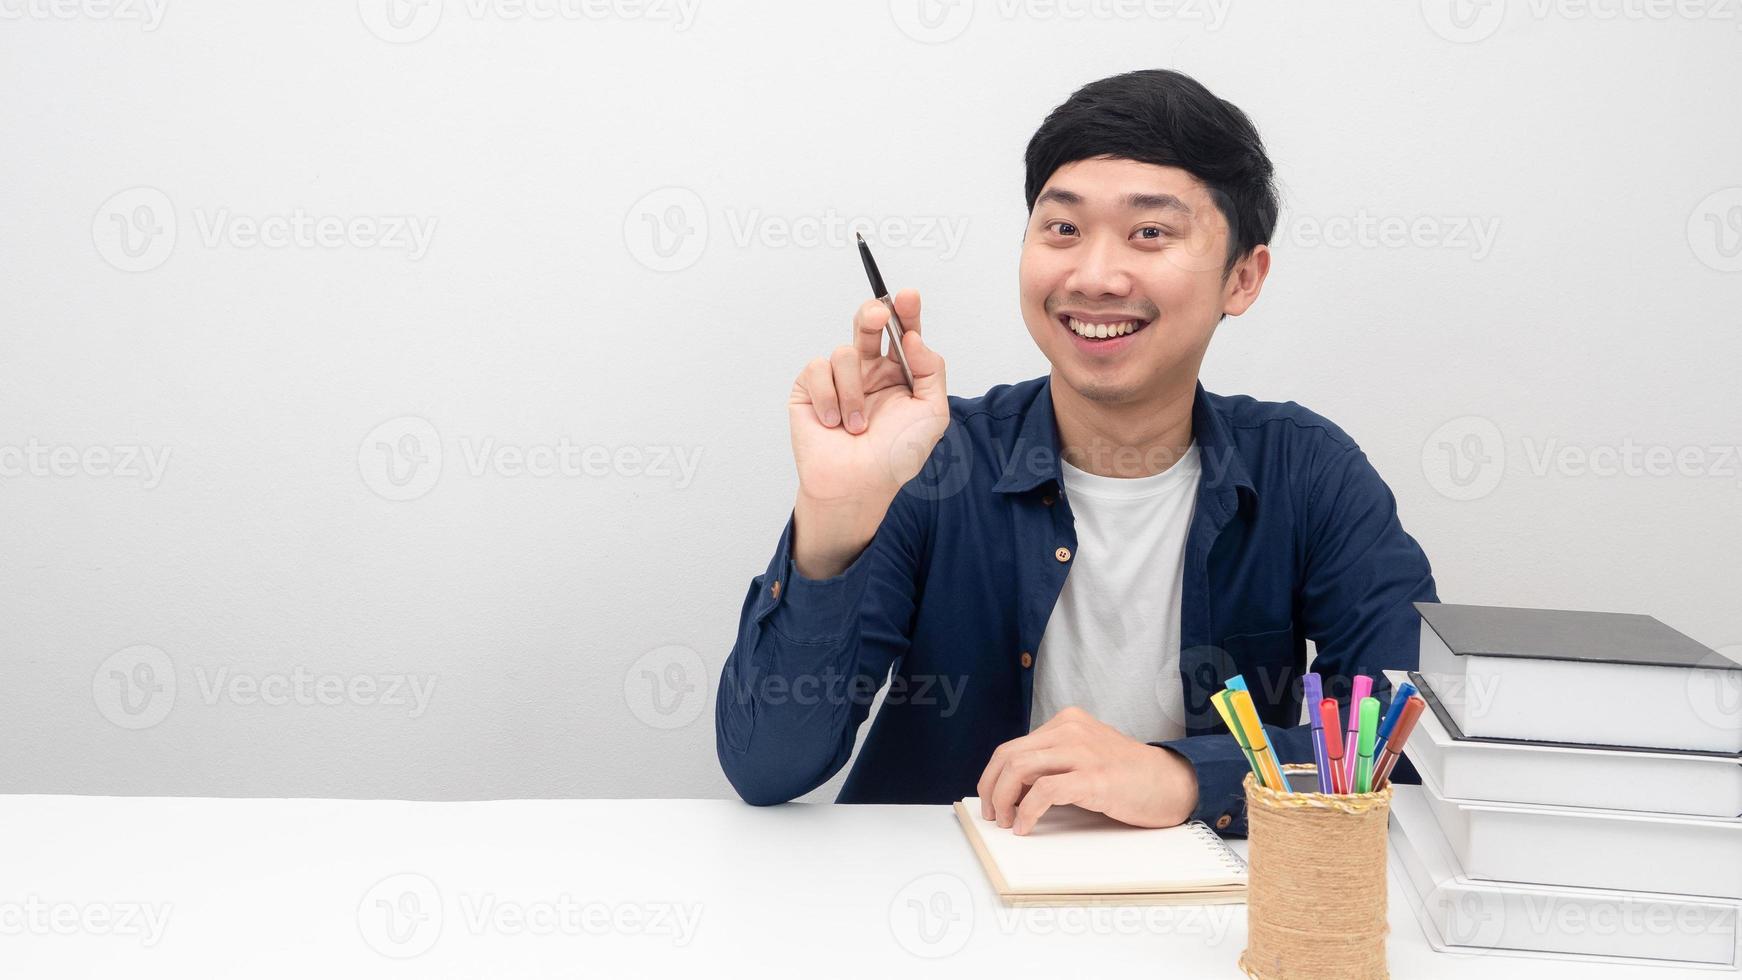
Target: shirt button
x=774 y=590
x=1027 y=660
x=1223 y=821
x=1063 y=554
x=1048 y=499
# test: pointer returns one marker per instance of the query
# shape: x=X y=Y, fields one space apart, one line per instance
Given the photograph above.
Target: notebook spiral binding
x=1230 y=860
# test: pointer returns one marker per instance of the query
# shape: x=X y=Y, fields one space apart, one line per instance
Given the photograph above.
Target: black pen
x=893 y=328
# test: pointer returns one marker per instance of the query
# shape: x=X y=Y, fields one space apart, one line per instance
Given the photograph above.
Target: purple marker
x=1315 y=693
x=1363 y=689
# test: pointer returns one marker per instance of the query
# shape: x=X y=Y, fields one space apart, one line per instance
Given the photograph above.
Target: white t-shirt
x=1111 y=646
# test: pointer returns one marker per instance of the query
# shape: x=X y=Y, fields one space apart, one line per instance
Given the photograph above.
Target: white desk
x=305 y=888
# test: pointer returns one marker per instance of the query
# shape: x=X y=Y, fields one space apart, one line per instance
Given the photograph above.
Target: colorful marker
x=1368 y=730
x=1399 y=698
x=1333 y=744
x=1247 y=715
x=1399 y=735
x=1315 y=692
x=1363 y=689
x=1226 y=710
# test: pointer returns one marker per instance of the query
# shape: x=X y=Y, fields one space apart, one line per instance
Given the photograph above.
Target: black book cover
x=1560 y=634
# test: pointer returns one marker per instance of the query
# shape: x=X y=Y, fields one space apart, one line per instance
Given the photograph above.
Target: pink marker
x=1363 y=689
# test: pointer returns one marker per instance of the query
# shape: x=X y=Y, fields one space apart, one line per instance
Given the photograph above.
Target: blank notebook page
x=1077 y=850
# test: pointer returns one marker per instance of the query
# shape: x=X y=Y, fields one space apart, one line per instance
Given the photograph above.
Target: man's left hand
x=1077 y=759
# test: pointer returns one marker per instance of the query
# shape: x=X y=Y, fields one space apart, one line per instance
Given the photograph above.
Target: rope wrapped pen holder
x=1316 y=904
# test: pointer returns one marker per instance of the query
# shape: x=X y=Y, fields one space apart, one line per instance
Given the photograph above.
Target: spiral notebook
x=1078 y=857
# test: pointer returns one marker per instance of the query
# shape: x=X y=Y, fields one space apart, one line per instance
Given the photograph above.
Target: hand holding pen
x=860 y=430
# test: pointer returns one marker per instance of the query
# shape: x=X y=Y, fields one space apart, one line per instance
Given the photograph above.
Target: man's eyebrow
x=1158 y=202
x=1138 y=201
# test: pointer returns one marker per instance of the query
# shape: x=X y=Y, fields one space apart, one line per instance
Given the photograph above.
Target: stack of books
x=1581 y=788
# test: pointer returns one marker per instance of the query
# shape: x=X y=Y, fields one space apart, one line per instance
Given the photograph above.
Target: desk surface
x=306 y=888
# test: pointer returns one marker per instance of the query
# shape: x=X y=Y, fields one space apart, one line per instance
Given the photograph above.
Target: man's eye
x=1064 y=227
x=1151 y=232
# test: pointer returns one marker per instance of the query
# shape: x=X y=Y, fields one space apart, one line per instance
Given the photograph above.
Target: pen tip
x=860 y=237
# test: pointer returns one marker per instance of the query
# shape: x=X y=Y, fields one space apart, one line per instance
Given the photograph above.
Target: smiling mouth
x=1101 y=330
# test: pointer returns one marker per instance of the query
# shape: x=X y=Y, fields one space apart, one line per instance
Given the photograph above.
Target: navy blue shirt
x=1294 y=537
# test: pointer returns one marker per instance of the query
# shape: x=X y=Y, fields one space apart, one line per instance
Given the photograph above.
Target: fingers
x=995 y=767
x=868 y=323
x=907 y=307
x=849 y=387
x=1023 y=769
x=1056 y=789
x=928 y=371
x=818 y=381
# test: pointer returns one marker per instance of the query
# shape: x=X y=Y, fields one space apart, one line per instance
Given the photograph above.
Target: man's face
x=1135 y=251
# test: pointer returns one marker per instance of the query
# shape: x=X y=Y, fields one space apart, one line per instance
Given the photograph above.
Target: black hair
x=1169 y=119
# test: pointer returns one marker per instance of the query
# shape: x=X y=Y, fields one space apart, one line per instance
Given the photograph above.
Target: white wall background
x=1597 y=151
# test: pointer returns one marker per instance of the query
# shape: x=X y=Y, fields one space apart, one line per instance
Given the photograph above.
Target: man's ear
x=1241 y=289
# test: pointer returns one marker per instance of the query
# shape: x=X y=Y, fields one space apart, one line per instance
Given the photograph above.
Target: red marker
x=1334 y=745
x=1394 y=745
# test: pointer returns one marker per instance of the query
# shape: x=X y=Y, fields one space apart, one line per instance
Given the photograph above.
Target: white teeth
x=1100 y=330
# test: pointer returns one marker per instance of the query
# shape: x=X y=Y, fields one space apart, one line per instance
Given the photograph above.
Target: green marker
x=1364 y=745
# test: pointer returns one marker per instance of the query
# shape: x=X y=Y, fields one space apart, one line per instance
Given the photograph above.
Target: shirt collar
x=1034 y=458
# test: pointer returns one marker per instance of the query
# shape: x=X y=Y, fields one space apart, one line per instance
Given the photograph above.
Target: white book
x=1629 y=850
x=1075 y=856
x=1707 y=784
x=1592 y=678
x=1466 y=914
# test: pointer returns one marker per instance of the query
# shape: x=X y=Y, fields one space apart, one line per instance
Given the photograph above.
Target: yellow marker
x=1220 y=700
x=1247 y=715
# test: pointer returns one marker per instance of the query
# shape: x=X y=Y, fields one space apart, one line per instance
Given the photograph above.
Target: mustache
x=1054 y=306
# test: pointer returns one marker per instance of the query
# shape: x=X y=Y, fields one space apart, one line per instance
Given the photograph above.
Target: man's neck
x=1129 y=439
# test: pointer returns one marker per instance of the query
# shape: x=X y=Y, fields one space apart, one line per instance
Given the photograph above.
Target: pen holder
x=1316 y=904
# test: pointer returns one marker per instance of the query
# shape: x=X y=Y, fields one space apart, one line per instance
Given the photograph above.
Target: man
x=1056 y=576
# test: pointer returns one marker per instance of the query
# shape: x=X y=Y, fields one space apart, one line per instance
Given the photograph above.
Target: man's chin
x=1103 y=390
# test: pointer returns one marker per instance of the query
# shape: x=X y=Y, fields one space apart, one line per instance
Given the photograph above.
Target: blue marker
x=1315 y=693
x=1399 y=698
x=1236 y=683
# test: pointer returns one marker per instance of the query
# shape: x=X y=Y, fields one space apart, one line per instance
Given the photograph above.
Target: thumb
x=928 y=370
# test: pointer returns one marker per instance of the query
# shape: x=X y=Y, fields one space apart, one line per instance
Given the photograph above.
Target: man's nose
x=1101 y=270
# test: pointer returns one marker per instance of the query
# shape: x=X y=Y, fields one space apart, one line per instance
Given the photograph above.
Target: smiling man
x=1055 y=576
